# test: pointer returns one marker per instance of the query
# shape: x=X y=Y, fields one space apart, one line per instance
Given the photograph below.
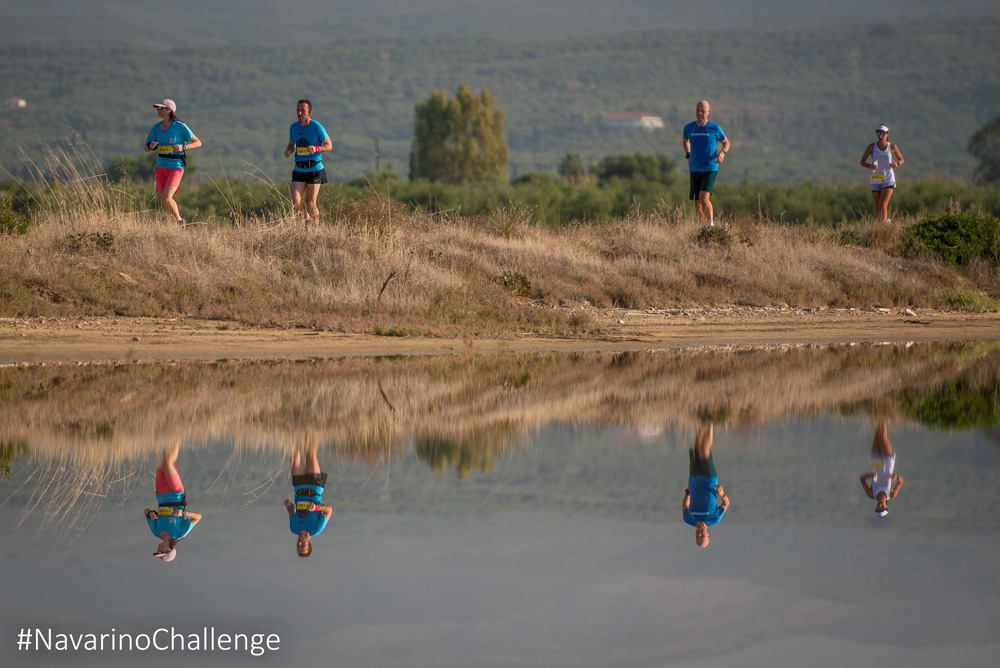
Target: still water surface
x=514 y=510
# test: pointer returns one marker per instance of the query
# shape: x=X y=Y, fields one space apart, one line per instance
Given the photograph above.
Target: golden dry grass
x=374 y=268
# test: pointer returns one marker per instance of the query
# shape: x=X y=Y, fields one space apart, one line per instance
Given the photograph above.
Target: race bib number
x=165 y=511
x=878 y=177
x=302 y=505
x=165 y=148
x=878 y=466
x=302 y=150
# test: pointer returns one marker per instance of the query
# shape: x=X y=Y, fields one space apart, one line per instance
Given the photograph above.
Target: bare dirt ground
x=76 y=340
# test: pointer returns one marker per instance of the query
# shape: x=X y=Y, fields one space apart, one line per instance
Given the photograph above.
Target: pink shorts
x=168 y=483
x=168 y=178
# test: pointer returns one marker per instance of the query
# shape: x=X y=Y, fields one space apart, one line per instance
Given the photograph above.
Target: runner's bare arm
x=897 y=154
x=724 y=151
x=895 y=486
x=864 y=158
x=864 y=483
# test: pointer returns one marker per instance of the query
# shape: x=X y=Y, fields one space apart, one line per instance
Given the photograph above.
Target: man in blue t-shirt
x=705 y=502
x=308 y=141
x=308 y=516
x=701 y=143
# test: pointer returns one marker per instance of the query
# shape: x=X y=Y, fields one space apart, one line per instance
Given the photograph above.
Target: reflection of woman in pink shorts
x=168 y=482
x=171 y=521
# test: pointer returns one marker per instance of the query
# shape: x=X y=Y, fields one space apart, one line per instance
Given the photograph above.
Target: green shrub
x=11 y=222
x=715 y=236
x=969 y=300
x=956 y=239
x=516 y=282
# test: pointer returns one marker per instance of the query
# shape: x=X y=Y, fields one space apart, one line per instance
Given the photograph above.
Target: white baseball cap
x=168 y=104
x=881 y=128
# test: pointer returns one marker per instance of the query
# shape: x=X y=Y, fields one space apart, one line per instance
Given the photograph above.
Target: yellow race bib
x=165 y=511
x=165 y=148
x=878 y=177
x=302 y=150
x=302 y=505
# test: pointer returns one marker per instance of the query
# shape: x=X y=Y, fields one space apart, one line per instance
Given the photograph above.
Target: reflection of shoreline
x=367 y=409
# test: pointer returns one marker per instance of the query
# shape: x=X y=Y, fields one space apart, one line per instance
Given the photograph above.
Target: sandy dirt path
x=41 y=340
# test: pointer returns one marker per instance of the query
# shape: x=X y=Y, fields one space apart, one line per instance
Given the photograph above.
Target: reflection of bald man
x=701 y=508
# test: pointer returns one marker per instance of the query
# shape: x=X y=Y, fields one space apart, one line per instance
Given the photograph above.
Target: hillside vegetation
x=117 y=23
x=94 y=249
x=797 y=104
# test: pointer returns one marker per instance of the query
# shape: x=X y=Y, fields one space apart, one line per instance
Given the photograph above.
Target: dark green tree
x=459 y=139
x=985 y=146
x=657 y=168
x=571 y=168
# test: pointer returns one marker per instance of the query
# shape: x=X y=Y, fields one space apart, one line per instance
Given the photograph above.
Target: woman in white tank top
x=884 y=157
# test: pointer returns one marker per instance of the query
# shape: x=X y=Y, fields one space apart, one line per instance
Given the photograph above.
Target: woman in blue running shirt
x=171 y=140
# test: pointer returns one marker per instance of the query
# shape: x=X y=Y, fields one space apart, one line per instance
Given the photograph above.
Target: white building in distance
x=632 y=120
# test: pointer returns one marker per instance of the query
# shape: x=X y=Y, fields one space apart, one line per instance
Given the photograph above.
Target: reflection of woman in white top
x=884 y=156
x=880 y=483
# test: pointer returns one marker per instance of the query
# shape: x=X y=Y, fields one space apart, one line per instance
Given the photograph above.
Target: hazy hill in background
x=197 y=23
x=799 y=104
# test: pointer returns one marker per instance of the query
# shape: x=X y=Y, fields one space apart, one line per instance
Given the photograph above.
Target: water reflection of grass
x=366 y=408
x=93 y=429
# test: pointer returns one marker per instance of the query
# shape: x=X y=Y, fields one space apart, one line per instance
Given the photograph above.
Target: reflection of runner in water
x=884 y=484
x=307 y=139
x=171 y=139
x=705 y=502
x=308 y=516
x=171 y=521
x=884 y=157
